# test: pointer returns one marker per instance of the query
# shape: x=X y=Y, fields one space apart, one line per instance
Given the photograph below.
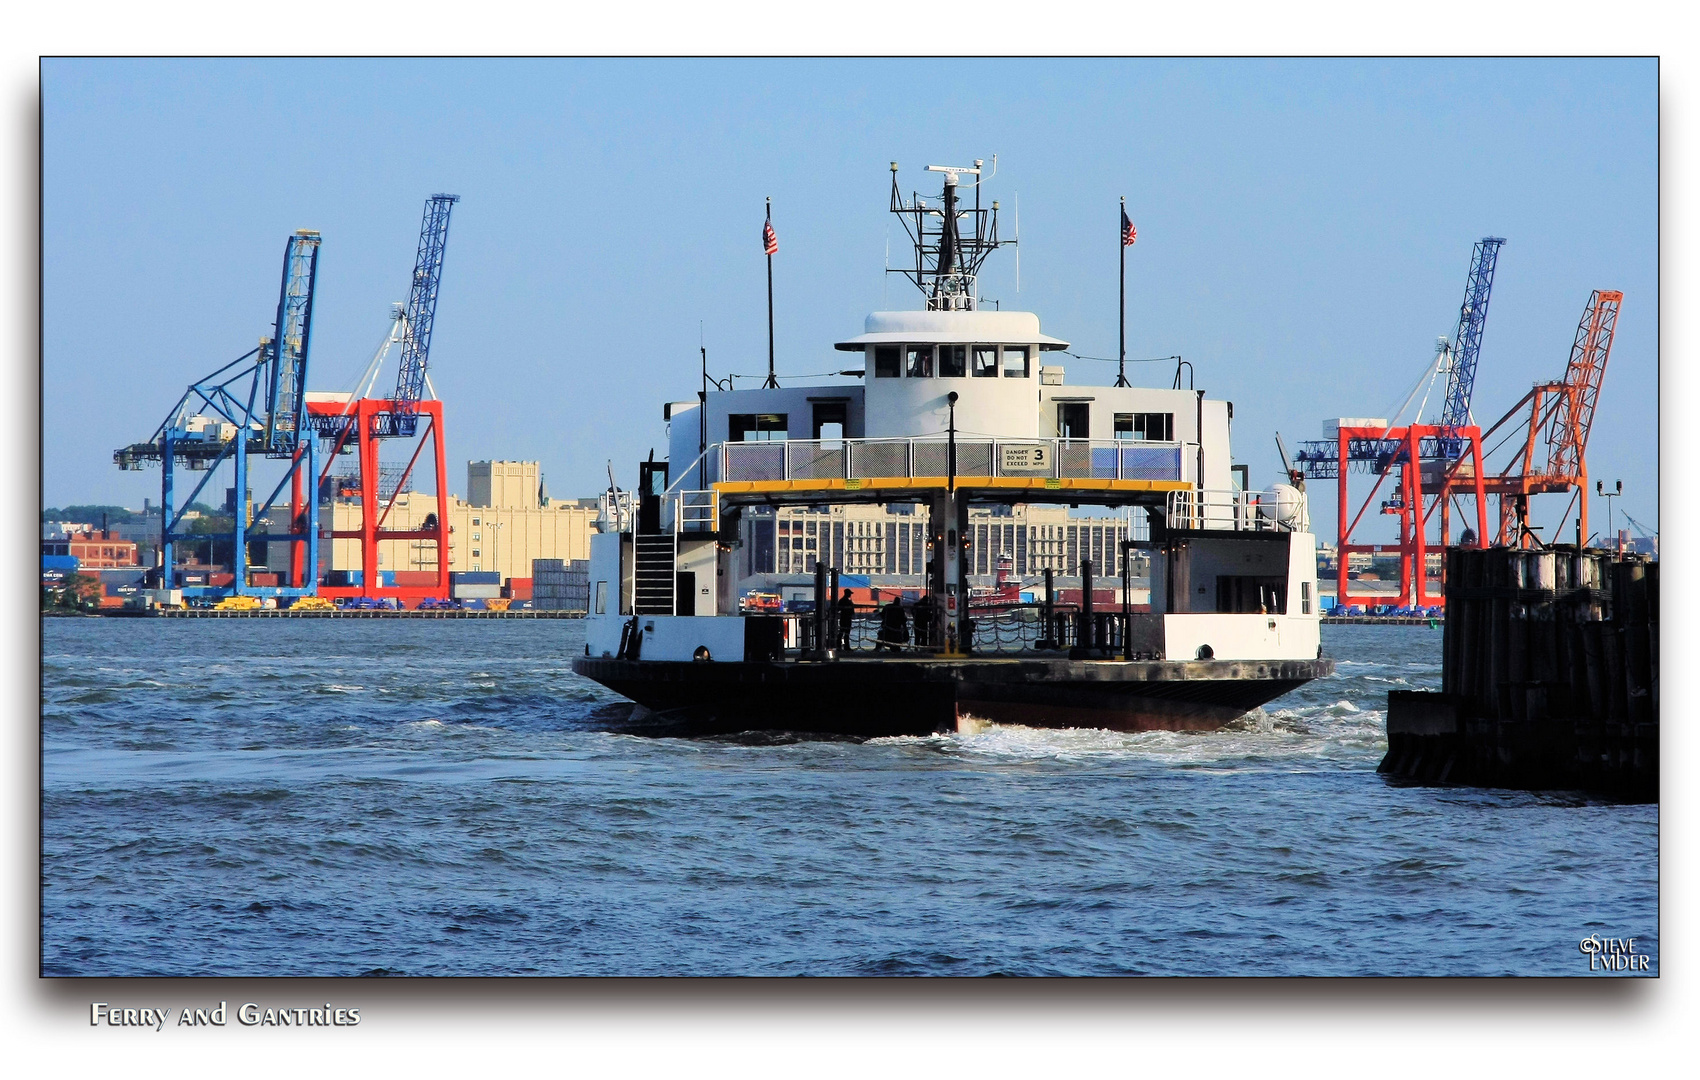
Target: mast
x=1121 y=307
x=947 y=255
x=770 y=244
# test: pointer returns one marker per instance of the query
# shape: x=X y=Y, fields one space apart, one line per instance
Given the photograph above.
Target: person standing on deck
x=924 y=620
x=846 y=609
x=894 y=627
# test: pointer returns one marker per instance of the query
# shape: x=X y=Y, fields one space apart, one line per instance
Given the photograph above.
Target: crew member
x=846 y=609
x=894 y=626
x=923 y=614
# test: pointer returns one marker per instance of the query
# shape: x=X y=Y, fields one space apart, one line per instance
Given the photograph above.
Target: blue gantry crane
x=1467 y=342
x=421 y=313
x=1425 y=458
x=1319 y=459
x=253 y=406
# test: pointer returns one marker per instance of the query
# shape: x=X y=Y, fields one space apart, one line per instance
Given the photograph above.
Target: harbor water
x=259 y=797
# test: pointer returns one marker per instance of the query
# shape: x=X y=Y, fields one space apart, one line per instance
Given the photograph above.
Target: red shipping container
x=267 y=580
x=221 y=580
x=517 y=589
x=111 y=602
x=416 y=578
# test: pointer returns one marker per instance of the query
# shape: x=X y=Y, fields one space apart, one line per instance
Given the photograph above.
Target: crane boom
x=1467 y=339
x=421 y=312
x=1567 y=433
x=286 y=354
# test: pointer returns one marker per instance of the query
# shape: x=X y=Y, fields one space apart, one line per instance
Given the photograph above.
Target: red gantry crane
x=1422 y=458
x=360 y=423
x=1560 y=414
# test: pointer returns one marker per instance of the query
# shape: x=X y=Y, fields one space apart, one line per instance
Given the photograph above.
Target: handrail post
x=1049 y=641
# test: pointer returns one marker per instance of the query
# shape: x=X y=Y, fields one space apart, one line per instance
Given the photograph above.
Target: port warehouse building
x=503 y=525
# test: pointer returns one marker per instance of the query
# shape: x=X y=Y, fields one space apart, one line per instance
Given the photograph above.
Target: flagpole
x=1121 y=242
x=772 y=383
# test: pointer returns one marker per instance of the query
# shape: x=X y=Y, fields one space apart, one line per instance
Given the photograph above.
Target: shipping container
x=475 y=591
x=64 y=563
x=416 y=578
x=475 y=577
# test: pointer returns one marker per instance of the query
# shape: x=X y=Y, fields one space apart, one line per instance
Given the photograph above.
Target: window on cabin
x=887 y=364
x=1153 y=427
x=757 y=427
x=918 y=361
x=953 y=361
x=985 y=361
x=1015 y=362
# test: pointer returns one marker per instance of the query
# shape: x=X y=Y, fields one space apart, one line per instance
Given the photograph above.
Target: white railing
x=690 y=511
x=845 y=459
x=1279 y=510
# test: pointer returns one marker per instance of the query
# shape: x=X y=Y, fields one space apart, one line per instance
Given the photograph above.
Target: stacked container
x=557 y=585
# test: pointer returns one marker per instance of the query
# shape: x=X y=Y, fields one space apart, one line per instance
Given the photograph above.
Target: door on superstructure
x=652 y=484
x=1073 y=420
x=832 y=418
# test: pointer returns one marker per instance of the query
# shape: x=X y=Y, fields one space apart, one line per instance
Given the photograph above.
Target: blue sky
x=1305 y=228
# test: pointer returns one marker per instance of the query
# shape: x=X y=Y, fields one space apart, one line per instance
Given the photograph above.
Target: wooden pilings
x=1550 y=677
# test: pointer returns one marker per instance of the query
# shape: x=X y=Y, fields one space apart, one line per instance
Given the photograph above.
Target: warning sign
x=1024 y=459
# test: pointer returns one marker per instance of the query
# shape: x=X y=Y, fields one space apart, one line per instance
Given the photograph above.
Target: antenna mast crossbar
x=951 y=241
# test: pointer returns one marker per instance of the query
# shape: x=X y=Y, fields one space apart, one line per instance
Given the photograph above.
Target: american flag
x=769 y=238
x=1129 y=233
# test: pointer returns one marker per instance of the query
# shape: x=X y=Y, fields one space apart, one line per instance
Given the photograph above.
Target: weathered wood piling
x=1550 y=677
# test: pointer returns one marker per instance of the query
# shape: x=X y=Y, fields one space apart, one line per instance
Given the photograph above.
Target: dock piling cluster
x=1550 y=676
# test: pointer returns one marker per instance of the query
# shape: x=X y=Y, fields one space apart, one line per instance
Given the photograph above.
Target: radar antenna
x=951 y=241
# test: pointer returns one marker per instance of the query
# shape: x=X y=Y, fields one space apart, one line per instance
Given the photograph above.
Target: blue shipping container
x=59 y=562
x=475 y=577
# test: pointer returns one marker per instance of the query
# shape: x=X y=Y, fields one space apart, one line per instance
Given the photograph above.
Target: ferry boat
x=960 y=413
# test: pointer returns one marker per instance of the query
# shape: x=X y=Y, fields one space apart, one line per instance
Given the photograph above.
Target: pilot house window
x=953 y=361
x=918 y=360
x=1014 y=363
x=985 y=361
x=886 y=362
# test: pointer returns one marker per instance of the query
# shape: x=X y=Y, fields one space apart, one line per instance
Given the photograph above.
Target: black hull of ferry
x=860 y=698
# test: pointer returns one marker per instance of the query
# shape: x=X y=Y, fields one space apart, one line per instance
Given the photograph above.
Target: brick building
x=99 y=549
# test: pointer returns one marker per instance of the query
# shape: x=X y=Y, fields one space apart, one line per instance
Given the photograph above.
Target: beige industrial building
x=505 y=522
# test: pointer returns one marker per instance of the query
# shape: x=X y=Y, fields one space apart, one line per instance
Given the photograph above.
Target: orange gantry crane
x=1560 y=414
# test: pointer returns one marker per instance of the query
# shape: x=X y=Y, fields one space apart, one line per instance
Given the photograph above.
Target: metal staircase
x=654 y=580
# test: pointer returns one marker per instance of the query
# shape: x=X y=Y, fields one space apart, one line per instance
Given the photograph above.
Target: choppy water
x=339 y=798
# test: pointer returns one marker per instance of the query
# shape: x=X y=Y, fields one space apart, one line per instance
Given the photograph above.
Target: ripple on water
x=404 y=799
